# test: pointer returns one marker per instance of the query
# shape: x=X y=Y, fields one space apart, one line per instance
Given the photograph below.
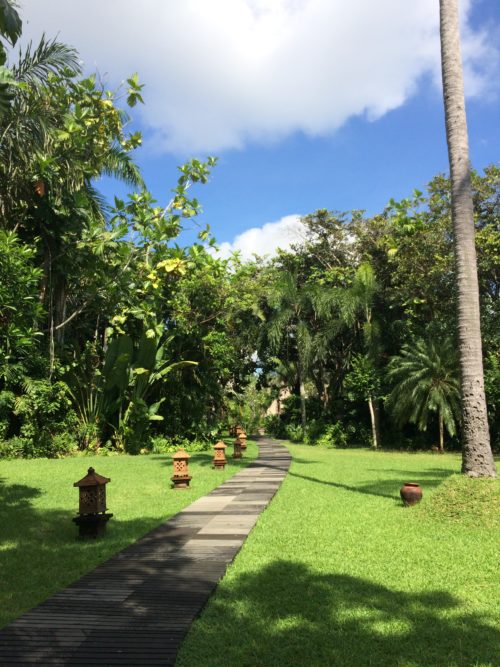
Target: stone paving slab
x=135 y=608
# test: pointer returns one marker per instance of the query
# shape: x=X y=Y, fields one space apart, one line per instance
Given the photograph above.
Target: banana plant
x=130 y=374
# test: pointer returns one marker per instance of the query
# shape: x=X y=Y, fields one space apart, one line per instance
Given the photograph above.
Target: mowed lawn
x=39 y=551
x=338 y=573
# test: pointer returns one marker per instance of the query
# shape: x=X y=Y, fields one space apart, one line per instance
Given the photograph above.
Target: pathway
x=136 y=608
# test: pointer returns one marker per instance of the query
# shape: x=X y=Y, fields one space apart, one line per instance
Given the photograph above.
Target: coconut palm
x=477 y=458
x=426 y=381
x=290 y=324
x=354 y=306
x=26 y=125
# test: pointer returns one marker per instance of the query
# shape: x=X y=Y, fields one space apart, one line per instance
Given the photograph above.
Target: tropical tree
x=356 y=305
x=10 y=30
x=426 y=381
x=290 y=323
x=477 y=457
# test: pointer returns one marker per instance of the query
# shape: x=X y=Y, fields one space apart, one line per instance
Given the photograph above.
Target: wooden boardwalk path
x=136 y=608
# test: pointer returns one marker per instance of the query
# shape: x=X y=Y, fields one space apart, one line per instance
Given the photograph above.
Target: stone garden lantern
x=92 y=517
x=181 y=476
x=242 y=436
x=219 y=460
x=237 y=454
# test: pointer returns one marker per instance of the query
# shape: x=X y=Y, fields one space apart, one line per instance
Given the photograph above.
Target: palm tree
x=292 y=304
x=10 y=30
x=26 y=125
x=426 y=377
x=355 y=307
x=477 y=458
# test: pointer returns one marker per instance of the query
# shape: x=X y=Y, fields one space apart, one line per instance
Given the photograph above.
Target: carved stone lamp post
x=219 y=460
x=243 y=438
x=237 y=454
x=92 y=517
x=181 y=477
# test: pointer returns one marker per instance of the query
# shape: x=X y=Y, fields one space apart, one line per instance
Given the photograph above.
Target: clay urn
x=411 y=493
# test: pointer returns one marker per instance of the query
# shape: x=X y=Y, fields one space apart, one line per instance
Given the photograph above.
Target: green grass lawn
x=338 y=573
x=39 y=552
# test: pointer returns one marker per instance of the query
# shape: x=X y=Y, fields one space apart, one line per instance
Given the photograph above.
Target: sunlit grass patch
x=337 y=572
x=471 y=502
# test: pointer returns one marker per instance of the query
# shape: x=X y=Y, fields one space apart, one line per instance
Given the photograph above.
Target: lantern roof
x=220 y=445
x=92 y=478
x=181 y=454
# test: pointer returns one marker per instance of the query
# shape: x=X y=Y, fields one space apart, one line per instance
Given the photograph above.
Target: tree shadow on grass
x=387 y=488
x=287 y=614
x=15 y=497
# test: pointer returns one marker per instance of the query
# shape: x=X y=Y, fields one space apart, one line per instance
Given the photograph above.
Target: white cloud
x=265 y=240
x=221 y=73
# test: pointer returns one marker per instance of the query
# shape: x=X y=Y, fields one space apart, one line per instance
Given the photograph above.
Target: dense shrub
x=334 y=436
x=47 y=425
x=294 y=432
x=274 y=425
x=314 y=430
x=161 y=445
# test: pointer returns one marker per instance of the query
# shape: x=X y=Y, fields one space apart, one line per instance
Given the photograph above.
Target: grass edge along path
x=337 y=572
x=39 y=552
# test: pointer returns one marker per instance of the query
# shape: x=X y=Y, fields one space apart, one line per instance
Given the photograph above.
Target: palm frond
x=49 y=56
x=120 y=165
x=425 y=377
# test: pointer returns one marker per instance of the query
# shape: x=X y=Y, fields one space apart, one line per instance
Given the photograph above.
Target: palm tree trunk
x=302 y=393
x=441 y=433
x=374 y=421
x=477 y=458
x=303 y=404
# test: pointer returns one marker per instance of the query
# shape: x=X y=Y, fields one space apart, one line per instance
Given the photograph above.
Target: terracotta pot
x=411 y=493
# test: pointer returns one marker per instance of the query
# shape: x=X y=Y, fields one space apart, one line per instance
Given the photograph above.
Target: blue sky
x=307 y=104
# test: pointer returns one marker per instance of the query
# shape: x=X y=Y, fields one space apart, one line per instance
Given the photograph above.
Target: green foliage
x=20 y=308
x=426 y=380
x=47 y=421
x=161 y=445
x=274 y=426
x=362 y=380
x=153 y=338
x=315 y=429
x=248 y=407
x=10 y=30
x=294 y=432
x=492 y=389
x=334 y=436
